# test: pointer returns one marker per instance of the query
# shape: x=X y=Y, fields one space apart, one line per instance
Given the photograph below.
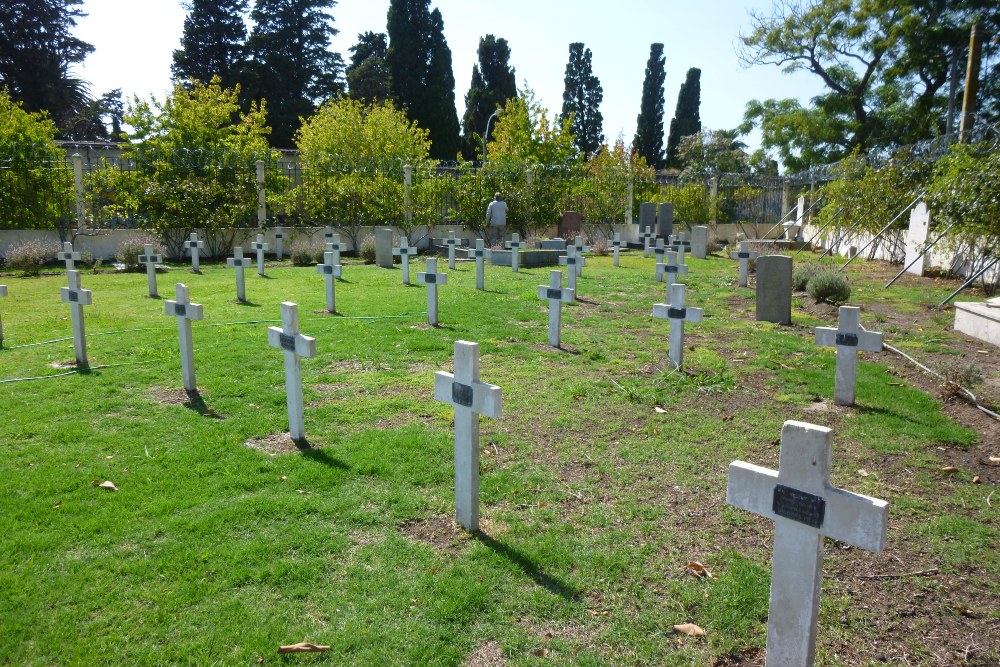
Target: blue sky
x=134 y=41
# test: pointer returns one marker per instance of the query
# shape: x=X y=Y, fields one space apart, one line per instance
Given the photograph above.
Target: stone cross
x=659 y=250
x=515 y=246
x=805 y=508
x=279 y=236
x=432 y=279
x=330 y=271
x=556 y=295
x=647 y=235
x=471 y=398
x=295 y=346
x=77 y=298
x=617 y=244
x=744 y=255
x=679 y=242
x=570 y=260
x=239 y=262
x=195 y=246
x=676 y=314
x=451 y=242
x=260 y=247
x=480 y=254
x=336 y=247
x=150 y=260
x=328 y=233
x=3 y=292
x=403 y=252
x=848 y=338
x=185 y=311
x=670 y=267
x=580 y=249
x=67 y=255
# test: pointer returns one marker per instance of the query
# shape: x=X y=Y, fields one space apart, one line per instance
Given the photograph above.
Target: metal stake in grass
x=616 y=244
x=3 y=293
x=514 y=245
x=676 y=313
x=471 y=398
x=744 y=255
x=556 y=296
x=451 y=242
x=261 y=248
x=805 y=508
x=239 y=262
x=404 y=251
x=195 y=246
x=670 y=268
x=295 y=346
x=571 y=260
x=150 y=260
x=432 y=279
x=77 y=298
x=848 y=338
x=68 y=255
x=480 y=254
x=580 y=249
x=279 y=235
x=330 y=271
x=336 y=247
x=185 y=311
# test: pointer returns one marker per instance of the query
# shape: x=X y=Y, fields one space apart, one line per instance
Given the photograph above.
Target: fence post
x=629 y=201
x=529 y=177
x=81 y=219
x=261 y=203
x=408 y=195
x=713 y=193
x=786 y=196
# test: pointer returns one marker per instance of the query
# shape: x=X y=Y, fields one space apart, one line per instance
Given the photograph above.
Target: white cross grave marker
x=580 y=249
x=805 y=508
x=659 y=251
x=77 y=298
x=336 y=247
x=279 y=236
x=295 y=346
x=647 y=236
x=617 y=244
x=328 y=233
x=260 y=247
x=3 y=292
x=451 y=242
x=330 y=271
x=67 y=255
x=239 y=262
x=744 y=255
x=670 y=267
x=570 y=260
x=679 y=242
x=432 y=279
x=195 y=246
x=185 y=311
x=515 y=255
x=480 y=254
x=471 y=398
x=150 y=260
x=403 y=252
x=676 y=315
x=848 y=338
x=556 y=295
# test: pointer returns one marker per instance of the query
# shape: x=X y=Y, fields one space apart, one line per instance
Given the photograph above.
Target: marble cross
x=805 y=508
x=239 y=262
x=185 y=311
x=279 y=237
x=404 y=251
x=848 y=338
x=480 y=254
x=328 y=233
x=647 y=236
x=150 y=260
x=195 y=246
x=260 y=247
x=77 y=298
x=336 y=247
x=580 y=249
x=659 y=250
x=515 y=247
x=330 y=271
x=471 y=398
x=679 y=242
x=556 y=296
x=295 y=346
x=432 y=279
x=676 y=314
x=617 y=244
x=67 y=255
x=744 y=255
x=3 y=292
x=670 y=267
x=570 y=260
x=452 y=243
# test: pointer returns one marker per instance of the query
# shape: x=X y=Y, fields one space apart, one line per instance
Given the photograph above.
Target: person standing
x=496 y=216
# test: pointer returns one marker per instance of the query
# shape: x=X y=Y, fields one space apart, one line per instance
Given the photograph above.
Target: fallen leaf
x=699 y=569
x=949 y=470
x=303 y=647
x=108 y=485
x=57 y=505
x=283 y=478
x=976 y=480
x=994 y=460
x=659 y=410
x=540 y=652
x=689 y=629
x=862 y=472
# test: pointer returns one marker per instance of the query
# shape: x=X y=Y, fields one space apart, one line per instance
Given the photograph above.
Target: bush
x=131 y=247
x=599 y=248
x=307 y=251
x=830 y=287
x=802 y=275
x=367 y=250
x=30 y=256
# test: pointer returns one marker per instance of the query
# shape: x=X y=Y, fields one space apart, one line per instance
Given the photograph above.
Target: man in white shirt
x=496 y=215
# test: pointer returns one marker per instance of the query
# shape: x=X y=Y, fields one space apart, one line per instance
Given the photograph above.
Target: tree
x=37 y=51
x=582 y=99
x=687 y=116
x=524 y=133
x=712 y=152
x=648 y=140
x=493 y=83
x=99 y=120
x=420 y=67
x=292 y=67
x=213 y=42
x=368 y=78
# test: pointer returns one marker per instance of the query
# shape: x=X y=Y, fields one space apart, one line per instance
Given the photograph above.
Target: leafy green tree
x=99 y=120
x=213 y=42
x=292 y=67
x=368 y=78
x=523 y=133
x=439 y=104
x=687 y=115
x=648 y=140
x=37 y=50
x=602 y=193
x=710 y=153
x=582 y=99
x=493 y=83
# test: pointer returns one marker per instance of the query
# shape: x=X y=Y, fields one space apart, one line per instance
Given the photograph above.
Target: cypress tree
x=368 y=77
x=213 y=42
x=493 y=83
x=648 y=140
x=687 y=117
x=582 y=97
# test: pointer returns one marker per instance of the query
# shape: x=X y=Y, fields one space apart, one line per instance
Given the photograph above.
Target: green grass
x=212 y=552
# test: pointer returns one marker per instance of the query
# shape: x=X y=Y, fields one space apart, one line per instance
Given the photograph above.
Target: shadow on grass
x=244 y=302
x=552 y=584
x=197 y=403
x=319 y=455
x=588 y=302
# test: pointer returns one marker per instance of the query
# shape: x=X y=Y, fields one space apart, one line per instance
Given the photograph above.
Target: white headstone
x=805 y=508
x=279 y=237
x=452 y=243
x=676 y=314
x=570 y=260
x=239 y=262
x=480 y=254
x=404 y=251
x=556 y=296
x=515 y=251
x=744 y=256
x=616 y=245
x=77 y=298
x=336 y=247
x=150 y=260
x=260 y=247
x=916 y=238
x=295 y=346
x=3 y=292
x=330 y=271
x=432 y=279
x=68 y=255
x=471 y=398
x=670 y=268
x=185 y=311
x=699 y=242
x=848 y=338
x=195 y=246
x=580 y=249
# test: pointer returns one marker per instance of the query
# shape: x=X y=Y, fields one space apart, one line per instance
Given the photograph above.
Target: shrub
x=830 y=287
x=599 y=248
x=30 y=256
x=306 y=251
x=367 y=250
x=131 y=247
x=803 y=274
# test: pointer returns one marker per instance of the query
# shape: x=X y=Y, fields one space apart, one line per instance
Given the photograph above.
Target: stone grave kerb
x=185 y=311
x=431 y=278
x=295 y=346
x=848 y=338
x=556 y=295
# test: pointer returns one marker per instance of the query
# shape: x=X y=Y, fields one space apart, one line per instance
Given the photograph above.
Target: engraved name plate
x=847 y=339
x=461 y=394
x=287 y=342
x=799 y=506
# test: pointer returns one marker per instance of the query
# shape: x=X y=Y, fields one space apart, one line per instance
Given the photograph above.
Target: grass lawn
x=604 y=478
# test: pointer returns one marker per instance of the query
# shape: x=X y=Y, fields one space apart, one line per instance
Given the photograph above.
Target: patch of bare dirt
x=487 y=654
x=62 y=365
x=274 y=444
x=169 y=396
x=441 y=532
